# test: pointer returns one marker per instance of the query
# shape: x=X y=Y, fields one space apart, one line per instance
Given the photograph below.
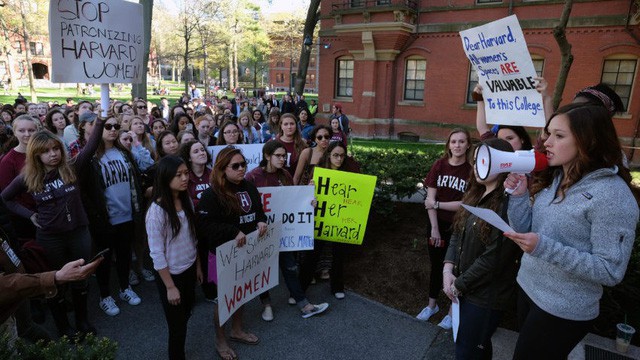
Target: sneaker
x=317 y=309
x=130 y=296
x=427 y=312
x=108 y=305
x=291 y=301
x=446 y=323
x=148 y=275
x=133 y=278
x=339 y=295
x=267 y=313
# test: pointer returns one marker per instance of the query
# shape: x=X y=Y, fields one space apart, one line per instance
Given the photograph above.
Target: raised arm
x=481 y=117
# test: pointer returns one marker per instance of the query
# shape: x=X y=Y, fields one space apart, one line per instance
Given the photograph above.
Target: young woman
x=166 y=144
x=174 y=112
x=517 y=136
x=271 y=127
x=271 y=173
x=229 y=134
x=71 y=132
x=306 y=125
x=250 y=134
x=289 y=136
x=157 y=126
x=114 y=202
x=480 y=265
x=142 y=156
x=338 y=135
x=310 y=157
x=55 y=121
x=185 y=136
x=24 y=126
x=180 y=123
x=85 y=129
x=334 y=159
x=577 y=234
x=170 y=223
x=141 y=136
x=446 y=184
x=125 y=120
x=220 y=218
x=204 y=125
x=60 y=219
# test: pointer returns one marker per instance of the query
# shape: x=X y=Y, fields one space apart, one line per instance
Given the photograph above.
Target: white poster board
x=246 y=272
x=289 y=207
x=498 y=52
x=252 y=153
x=96 y=41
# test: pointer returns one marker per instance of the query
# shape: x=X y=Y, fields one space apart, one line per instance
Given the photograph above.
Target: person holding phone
x=60 y=218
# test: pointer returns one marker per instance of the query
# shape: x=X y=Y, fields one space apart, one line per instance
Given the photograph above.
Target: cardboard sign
x=246 y=272
x=344 y=201
x=96 y=41
x=252 y=153
x=289 y=207
x=499 y=54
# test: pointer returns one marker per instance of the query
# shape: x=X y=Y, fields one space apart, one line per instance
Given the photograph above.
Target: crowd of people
x=140 y=188
x=140 y=184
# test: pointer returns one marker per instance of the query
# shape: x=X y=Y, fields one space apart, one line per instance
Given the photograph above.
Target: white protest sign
x=95 y=41
x=499 y=54
x=289 y=207
x=246 y=272
x=252 y=153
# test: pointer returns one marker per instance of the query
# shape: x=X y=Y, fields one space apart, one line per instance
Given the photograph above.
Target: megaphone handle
x=510 y=191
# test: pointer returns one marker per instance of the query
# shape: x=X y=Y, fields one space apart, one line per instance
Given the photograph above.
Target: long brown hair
x=597 y=143
x=221 y=140
x=447 y=151
x=34 y=170
x=219 y=182
x=475 y=192
x=298 y=142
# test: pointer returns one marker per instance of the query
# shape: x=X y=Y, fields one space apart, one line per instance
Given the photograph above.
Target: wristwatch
x=436 y=205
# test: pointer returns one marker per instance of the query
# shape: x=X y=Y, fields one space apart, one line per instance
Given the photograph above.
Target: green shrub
x=91 y=348
x=398 y=172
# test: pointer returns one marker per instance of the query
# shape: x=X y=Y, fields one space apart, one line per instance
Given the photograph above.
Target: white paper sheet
x=455 y=318
x=489 y=216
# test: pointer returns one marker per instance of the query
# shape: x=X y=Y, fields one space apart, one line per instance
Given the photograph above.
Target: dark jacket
x=215 y=225
x=486 y=271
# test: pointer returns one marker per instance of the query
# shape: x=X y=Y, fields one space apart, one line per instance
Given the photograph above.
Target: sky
x=275 y=6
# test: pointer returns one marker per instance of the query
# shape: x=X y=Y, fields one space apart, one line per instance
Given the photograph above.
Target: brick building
x=398 y=65
x=14 y=60
x=283 y=66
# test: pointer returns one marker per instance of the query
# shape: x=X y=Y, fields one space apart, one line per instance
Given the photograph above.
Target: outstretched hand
x=76 y=270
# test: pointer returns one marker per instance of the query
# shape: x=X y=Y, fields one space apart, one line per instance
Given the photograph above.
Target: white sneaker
x=130 y=296
x=339 y=295
x=427 y=312
x=267 y=313
x=446 y=323
x=317 y=309
x=133 y=278
x=148 y=275
x=291 y=301
x=108 y=305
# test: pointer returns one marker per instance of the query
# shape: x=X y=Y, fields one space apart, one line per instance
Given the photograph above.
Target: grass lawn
x=636 y=177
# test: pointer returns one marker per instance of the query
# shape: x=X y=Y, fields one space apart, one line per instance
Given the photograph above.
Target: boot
x=80 y=308
x=59 y=314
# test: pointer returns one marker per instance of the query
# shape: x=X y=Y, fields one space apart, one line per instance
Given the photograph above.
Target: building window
x=488 y=1
x=619 y=75
x=473 y=81
x=36 y=48
x=414 y=79
x=18 y=46
x=344 y=79
x=357 y=3
x=538 y=65
x=280 y=63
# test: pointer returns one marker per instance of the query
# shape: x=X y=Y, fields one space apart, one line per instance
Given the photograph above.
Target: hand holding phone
x=99 y=255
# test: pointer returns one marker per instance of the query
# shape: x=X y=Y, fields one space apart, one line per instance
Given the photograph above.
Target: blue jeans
x=289 y=268
x=477 y=325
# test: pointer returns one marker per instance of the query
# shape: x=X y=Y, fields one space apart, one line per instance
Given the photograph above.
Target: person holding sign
x=170 y=224
x=230 y=209
x=271 y=173
x=446 y=183
x=310 y=157
x=577 y=233
x=480 y=265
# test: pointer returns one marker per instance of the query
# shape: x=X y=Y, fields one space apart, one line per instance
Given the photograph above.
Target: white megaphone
x=490 y=161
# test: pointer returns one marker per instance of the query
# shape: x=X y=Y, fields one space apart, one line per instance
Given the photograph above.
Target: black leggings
x=118 y=238
x=436 y=257
x=544 y=336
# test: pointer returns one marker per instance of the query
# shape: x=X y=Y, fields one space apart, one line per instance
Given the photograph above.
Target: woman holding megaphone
x=576 y=233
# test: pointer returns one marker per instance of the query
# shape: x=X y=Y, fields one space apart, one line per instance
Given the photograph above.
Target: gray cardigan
x=585 y=242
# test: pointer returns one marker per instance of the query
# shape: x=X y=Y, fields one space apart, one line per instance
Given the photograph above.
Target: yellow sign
x=344 y=200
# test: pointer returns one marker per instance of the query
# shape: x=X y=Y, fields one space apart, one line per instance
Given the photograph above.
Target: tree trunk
x=11 y=80
x=305 y=51
x=560 y=35
x=140 y=89
x=236 y=73
x=27 y=53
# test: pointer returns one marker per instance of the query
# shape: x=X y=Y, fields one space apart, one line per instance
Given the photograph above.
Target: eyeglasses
x=320 y=137
x=112 y=126
x=237 y=166
x=337 y=156
x=280 y=156
x=231 y=132
x=142 y=107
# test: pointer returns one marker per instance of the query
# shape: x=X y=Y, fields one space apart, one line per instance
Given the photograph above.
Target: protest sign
x=246 y=272
x=499 y=54
x=289 y=207
x=344 y=201
x=252 y=153
x=95 y=41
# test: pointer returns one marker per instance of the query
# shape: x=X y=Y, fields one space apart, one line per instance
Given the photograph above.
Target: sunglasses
x=112 y=126
x=320 y=137
x=237 y=166
x=142 y=107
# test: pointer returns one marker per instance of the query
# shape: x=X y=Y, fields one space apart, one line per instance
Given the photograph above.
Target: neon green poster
x=344 y=200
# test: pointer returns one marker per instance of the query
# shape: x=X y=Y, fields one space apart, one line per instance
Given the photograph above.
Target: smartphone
x=99 y=255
